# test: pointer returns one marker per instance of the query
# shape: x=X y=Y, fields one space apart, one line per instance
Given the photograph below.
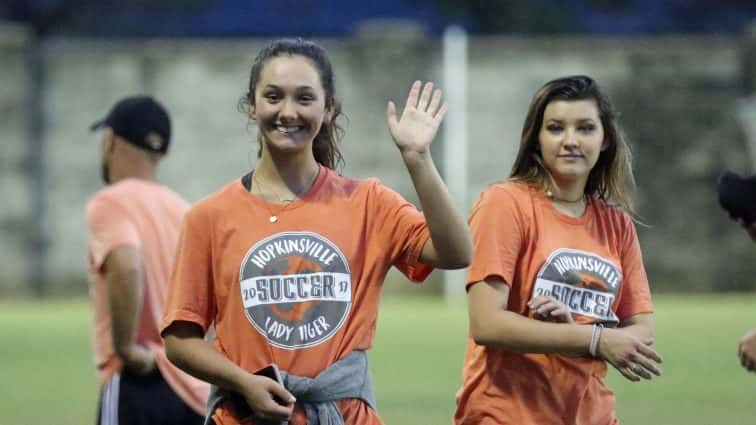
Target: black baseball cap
x=141 y=121
x=737 y=196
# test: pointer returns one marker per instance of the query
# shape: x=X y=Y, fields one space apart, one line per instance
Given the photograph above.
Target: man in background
x=737 y=196
x=133 y=231
x=747 y=344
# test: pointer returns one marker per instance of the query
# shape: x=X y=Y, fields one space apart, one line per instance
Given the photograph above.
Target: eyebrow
x=274 y=86
x=580 y=120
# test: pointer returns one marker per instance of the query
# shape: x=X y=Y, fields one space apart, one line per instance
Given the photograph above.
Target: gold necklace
x=574 y=208
x=550 y=195
x=287 y=202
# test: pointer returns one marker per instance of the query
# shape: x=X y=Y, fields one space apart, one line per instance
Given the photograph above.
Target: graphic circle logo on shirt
x=296 y=289
x=585 y=282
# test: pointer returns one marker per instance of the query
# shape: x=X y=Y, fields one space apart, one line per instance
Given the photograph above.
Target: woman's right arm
x=187 y=349
x=492 y=325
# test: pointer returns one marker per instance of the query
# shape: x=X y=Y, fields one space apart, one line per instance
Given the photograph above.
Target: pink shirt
x=145 y=215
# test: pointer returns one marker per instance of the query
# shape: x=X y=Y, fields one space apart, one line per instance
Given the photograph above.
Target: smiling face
x=571 y=139
x=289 y=104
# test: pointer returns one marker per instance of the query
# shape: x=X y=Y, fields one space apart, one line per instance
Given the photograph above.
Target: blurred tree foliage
x=86 y=17
x=505 y=16
x=526 y=16
x=684 y=134
x=599 y=16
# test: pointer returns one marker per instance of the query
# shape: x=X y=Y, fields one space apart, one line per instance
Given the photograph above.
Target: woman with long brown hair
x=557 y=288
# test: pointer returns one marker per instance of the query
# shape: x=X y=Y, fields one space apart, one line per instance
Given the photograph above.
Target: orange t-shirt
x=145 y=215
x=301 y=292
x=591 y=263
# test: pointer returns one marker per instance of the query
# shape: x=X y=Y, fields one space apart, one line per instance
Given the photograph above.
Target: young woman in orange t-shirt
x=289 y=260
x=557 y=287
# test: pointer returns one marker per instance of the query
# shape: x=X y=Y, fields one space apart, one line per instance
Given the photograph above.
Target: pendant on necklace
x=273 y=219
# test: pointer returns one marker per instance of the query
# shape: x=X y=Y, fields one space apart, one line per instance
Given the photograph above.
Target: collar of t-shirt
x=246 y=181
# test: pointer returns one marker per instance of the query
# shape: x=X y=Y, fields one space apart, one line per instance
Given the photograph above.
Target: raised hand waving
x=415 y=130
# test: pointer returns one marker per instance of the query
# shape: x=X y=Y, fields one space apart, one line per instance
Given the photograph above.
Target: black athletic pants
x=127 y=399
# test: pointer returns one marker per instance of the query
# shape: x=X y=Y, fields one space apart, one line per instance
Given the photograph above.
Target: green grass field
x=46 y=374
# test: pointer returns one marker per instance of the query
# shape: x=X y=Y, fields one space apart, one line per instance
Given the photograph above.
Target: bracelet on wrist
x=595 y=338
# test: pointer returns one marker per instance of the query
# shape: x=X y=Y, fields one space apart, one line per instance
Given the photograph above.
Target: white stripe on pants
x=109 y=401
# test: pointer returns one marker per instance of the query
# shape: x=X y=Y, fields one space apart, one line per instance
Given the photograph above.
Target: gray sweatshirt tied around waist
x=347 y=378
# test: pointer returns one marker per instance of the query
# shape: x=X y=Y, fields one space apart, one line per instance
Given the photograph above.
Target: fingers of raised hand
x=441 y=112
x=435 y=102
x=427 y=101
x=391 y=113
x=425 y=96
x=413 y=95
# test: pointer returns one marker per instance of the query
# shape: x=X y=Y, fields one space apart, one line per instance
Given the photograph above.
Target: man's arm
x=125 y=288
x=747 y=350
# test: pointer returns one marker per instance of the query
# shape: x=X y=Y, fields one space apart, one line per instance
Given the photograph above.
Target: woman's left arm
x=450 y=243
x=635 y=360
x=640 y=325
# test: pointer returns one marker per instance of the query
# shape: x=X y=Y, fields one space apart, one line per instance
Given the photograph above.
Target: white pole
x=746 y=114
x=455 y=137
